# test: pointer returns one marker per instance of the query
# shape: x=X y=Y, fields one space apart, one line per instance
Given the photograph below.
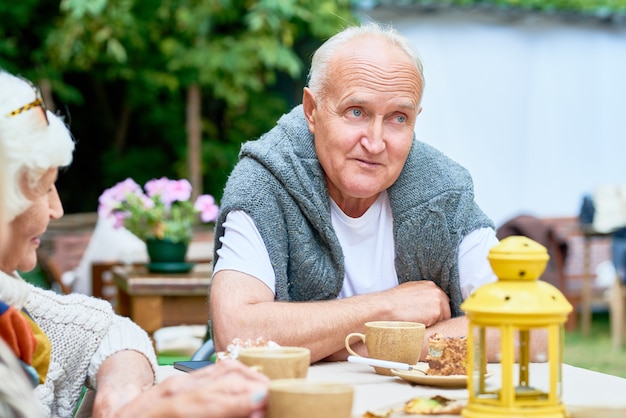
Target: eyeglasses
x=38 y=102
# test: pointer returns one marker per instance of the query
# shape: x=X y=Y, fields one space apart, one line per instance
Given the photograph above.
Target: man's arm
x=244 y=307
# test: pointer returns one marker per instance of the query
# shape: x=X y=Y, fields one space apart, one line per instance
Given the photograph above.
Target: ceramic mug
x=277 y=362
x=300 y=398
x=391 y=340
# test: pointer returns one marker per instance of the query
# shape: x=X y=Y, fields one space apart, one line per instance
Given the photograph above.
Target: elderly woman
x=80 y=340
x=16 y=396
x=74 y=340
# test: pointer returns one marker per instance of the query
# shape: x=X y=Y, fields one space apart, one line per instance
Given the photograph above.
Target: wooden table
x=585 y=393
x=156 y=300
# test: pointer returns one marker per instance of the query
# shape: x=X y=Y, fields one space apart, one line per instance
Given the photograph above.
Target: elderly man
x=339 y=216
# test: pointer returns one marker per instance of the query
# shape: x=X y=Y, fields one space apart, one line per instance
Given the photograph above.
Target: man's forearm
x=319 y=326
x=243 y=307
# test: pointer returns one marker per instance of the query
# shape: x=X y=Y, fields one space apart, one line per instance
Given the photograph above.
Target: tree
x=222 y=53
x=146 y=80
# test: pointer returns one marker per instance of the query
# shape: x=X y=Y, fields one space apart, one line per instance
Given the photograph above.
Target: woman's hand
x=227 y=389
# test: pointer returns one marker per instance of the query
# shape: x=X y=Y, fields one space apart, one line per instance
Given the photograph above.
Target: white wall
x=535 y=108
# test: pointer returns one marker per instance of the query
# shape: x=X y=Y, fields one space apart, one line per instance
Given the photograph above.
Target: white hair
x=319 y=76
x=30 y=146
x=3 y=187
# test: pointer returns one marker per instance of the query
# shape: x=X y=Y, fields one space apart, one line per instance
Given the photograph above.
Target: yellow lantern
x=523 y=312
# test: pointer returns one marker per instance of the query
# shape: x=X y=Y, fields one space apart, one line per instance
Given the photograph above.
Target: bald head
x=354 y=44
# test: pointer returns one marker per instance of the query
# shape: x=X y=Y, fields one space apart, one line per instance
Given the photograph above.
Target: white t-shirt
x=368 y=248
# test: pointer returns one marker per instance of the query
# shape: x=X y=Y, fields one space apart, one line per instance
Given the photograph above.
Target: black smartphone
x=191 y=365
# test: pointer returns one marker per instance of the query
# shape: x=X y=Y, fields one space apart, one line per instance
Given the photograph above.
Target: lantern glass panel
x=479 y=375
x=517 y=385
x=529 y=387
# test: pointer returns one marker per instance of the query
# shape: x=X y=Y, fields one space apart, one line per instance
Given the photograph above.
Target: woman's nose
x=56 y=207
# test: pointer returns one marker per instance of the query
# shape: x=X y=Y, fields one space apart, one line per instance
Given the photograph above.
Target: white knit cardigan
x=76 y=325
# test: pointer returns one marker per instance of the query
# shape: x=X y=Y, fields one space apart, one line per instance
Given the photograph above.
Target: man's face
x=364 y=125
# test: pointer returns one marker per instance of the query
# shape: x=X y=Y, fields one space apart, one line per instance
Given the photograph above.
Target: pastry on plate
x=446 y=355
x=437 y=405
x=385 y=413
x=232 y=351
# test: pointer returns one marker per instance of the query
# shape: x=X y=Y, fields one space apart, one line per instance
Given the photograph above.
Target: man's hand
x=420 y=301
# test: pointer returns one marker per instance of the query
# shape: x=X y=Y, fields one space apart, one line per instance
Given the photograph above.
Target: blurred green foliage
x=120 y=70
x=604 y=9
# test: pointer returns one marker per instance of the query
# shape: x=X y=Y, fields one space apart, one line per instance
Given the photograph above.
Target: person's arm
x=119 y=384
x=242 y=301
x=244 y=307
x=225 y=390
x=123 y=366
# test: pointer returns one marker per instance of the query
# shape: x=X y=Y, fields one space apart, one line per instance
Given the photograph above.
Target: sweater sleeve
x=123 y=335
x=83 y=331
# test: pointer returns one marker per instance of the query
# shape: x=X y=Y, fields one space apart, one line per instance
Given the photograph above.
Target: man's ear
x=310 y=107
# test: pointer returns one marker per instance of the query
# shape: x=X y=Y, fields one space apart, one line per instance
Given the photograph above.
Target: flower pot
x=167 y=256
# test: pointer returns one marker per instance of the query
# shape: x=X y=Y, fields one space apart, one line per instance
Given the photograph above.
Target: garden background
x=155 y=88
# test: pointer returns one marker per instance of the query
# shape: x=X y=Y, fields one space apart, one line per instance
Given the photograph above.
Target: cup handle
x=347 y=342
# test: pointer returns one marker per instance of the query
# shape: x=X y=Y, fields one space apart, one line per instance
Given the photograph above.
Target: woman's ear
x=310 y=107
x=26 y=185
x=31 y=189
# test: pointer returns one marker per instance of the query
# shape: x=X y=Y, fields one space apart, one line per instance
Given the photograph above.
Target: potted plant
x=161 y=214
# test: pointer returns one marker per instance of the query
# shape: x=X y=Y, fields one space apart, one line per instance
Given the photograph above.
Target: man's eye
x=356 y=112
x=400 y=119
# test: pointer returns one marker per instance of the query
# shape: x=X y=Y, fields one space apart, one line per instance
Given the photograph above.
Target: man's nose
x=375 y=140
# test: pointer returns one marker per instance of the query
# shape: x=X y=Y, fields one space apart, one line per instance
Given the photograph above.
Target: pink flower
x=179 y=190
x=207 y=207
x=119 y=218
x=146 y=201
x=157 y=186
x=107 y=203
x=112 y=198
x=169 y=190
x=165 y=209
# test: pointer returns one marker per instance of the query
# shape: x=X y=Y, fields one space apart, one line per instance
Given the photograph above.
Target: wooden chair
x=578 y=276
x=586 y=250
x=617 y=312
x=545 y=234
x=51 y=269
x=102 y=285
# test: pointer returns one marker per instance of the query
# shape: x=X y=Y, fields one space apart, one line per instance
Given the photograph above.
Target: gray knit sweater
x=280 y=184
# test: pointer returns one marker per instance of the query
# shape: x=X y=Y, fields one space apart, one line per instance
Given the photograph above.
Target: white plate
x=421 y=378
